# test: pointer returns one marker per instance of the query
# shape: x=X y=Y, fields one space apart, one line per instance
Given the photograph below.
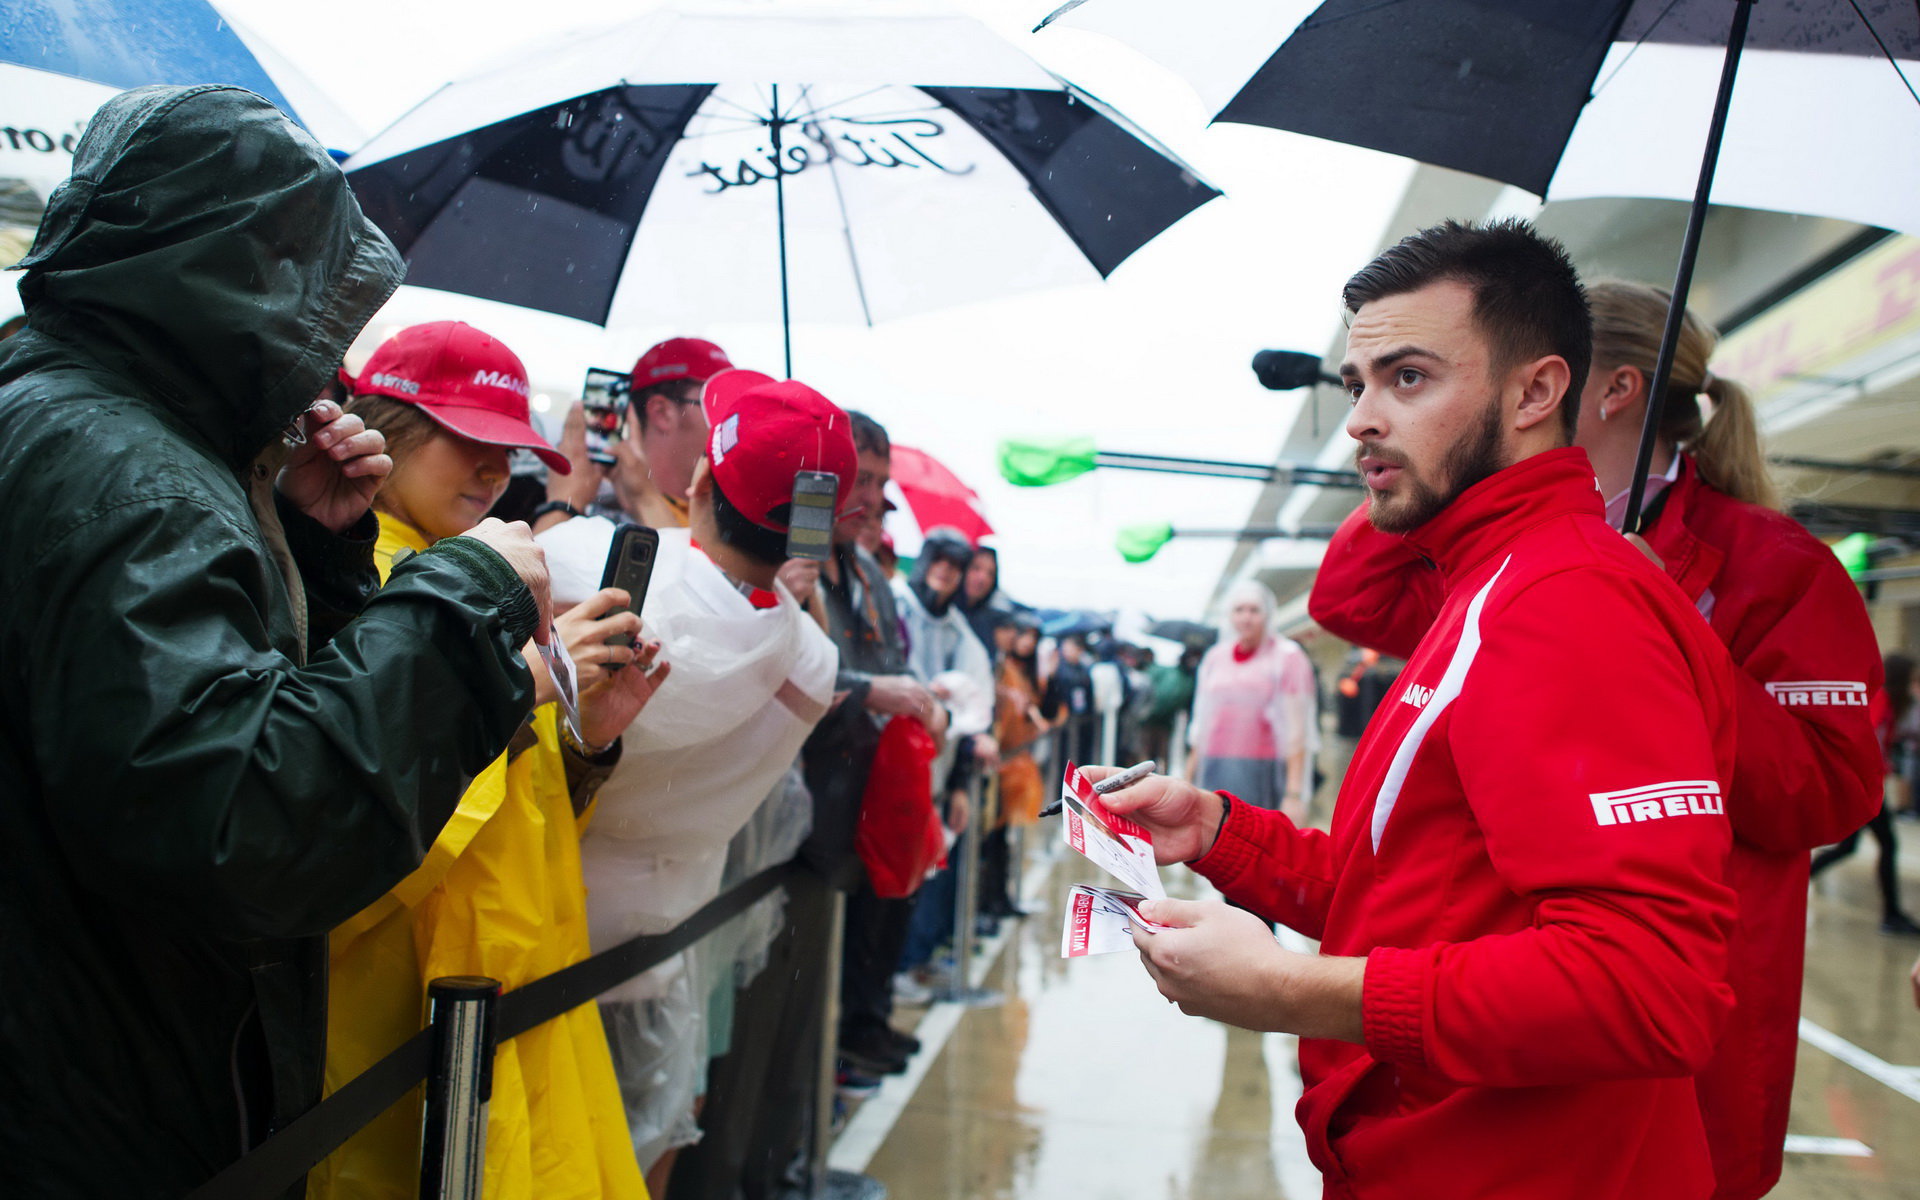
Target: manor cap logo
x=397 y=383
x=1683 y=798
x=500 y=379
x=1834 y=693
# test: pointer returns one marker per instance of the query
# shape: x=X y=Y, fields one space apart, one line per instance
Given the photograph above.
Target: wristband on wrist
x=579 y=747
x=555 y=506
x=1226 y=807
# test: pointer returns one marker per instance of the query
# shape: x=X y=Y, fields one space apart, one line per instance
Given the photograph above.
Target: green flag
x=1138 y=543
x=1852 y=550
x=1042 y=463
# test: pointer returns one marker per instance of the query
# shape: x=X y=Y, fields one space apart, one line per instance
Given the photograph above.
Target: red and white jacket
x=1806 y=773
x=1538 y=893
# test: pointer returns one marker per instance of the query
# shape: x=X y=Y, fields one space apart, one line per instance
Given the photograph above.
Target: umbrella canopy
x=1188 y=633
x=60 y=59
x=1573 y=98
x=665 y=168
x=935 y=495
x=1056 y=622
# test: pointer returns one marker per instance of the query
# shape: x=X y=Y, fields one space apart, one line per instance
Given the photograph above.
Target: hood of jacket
x=940 y=545
x=207 y=250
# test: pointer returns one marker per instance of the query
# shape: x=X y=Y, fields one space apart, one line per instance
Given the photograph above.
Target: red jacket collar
x=1690 y=562
x=1493 y=512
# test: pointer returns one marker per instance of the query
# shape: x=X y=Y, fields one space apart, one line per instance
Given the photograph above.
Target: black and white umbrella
x=1806 y=106
x=696 y=166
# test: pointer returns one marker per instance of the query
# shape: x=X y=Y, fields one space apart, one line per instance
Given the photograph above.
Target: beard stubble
x=1468 y=461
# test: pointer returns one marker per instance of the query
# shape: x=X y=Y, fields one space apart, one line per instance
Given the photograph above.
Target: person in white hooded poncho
x=753 y=674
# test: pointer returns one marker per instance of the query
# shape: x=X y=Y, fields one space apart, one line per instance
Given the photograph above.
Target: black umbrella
x=692 y=167
x=1566 y=97
x=1193 y=634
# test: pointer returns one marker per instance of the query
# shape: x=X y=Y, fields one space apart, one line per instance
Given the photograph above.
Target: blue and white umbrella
x=687 y=167
x=60 y=59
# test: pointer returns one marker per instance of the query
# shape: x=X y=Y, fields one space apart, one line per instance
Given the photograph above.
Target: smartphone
x=605 y=396
x=630 y=567
x=810 y=519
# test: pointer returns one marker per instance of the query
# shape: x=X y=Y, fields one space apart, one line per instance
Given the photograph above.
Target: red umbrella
x=935 y=494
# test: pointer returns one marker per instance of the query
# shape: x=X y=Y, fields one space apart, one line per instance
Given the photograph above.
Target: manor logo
x=1416 y=695
x=1687 y=798
x=501 y=379
x=1828 y=693
x=397 y=383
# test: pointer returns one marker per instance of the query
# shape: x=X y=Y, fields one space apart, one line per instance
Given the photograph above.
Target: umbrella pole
x=780 y=207
x=1683 y=276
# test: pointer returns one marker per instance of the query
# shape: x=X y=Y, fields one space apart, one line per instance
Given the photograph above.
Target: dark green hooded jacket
x=203 y=765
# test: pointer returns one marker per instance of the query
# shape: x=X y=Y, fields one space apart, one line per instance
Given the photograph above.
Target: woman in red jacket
x=1808 y=767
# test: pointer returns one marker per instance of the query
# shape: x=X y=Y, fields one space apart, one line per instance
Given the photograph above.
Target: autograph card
x=560 y=665
x=1101 y=921
x=1117 y=845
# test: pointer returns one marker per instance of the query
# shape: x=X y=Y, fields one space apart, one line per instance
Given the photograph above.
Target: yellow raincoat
x=499 y=894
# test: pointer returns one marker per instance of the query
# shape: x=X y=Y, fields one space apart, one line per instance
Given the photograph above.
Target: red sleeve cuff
x=1232 y=854
x=1394 y=1002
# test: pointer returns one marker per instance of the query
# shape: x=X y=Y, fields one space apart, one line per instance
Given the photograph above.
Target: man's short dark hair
x=680 y=391
x=764 y=546
x=1527 y=297
x=869 y=437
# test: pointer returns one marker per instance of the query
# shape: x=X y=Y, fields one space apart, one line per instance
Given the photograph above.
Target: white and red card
x=1116 y=845
x=1101 y=921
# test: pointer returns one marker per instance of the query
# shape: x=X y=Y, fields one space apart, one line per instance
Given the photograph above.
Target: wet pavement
x=1084 y=1083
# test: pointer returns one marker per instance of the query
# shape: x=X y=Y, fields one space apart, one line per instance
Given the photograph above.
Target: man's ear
x=1542 y=385
x=701 y=484
x=660 y=412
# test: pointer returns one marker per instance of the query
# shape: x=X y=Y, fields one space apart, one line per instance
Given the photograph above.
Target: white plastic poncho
x=748 y=686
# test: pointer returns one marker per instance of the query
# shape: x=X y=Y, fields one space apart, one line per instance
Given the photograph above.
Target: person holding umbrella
x=1521 y=910
x=1809 y=765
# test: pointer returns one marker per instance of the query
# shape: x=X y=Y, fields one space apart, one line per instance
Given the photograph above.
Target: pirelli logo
x=1686 y=798
x=1836 y=693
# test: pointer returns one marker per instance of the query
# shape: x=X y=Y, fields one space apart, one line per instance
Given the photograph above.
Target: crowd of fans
x=299 y=625
x=294 y=748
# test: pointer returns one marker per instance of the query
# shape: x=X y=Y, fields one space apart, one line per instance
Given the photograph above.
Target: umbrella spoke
x=1638 y=42
x=759 y=118
x=1881 y=42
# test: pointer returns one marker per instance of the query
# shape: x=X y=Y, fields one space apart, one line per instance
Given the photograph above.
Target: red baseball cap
x=766 y=431
x=679 y=358
x=468 y=382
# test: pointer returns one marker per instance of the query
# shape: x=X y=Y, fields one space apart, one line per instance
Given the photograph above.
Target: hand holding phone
x=605 y=397
x=630 y=567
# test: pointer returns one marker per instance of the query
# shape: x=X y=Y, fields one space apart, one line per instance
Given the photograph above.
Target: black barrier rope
x=279 y=1162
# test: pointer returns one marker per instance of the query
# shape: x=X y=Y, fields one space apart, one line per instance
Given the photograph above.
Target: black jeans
x=876 y=933
x=760 y=1094
x=1888 y=868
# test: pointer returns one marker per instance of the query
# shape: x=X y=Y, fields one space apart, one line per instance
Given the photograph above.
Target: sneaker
x=872 y=1050
x=906 y=1043
x=1899 y=924
x=909 y=990
x=852 y=1083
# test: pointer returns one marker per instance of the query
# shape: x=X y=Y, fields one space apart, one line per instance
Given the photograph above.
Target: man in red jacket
x=1521 y=913
x=1808 y=765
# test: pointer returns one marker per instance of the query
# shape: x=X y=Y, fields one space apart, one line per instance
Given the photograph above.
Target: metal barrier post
x=966 y=905
x=817 y=1186
x=1177 y=749
x=453 y=1135
x=1110 y=738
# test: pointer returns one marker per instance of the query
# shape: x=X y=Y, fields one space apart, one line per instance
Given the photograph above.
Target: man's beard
x=1468 y=461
